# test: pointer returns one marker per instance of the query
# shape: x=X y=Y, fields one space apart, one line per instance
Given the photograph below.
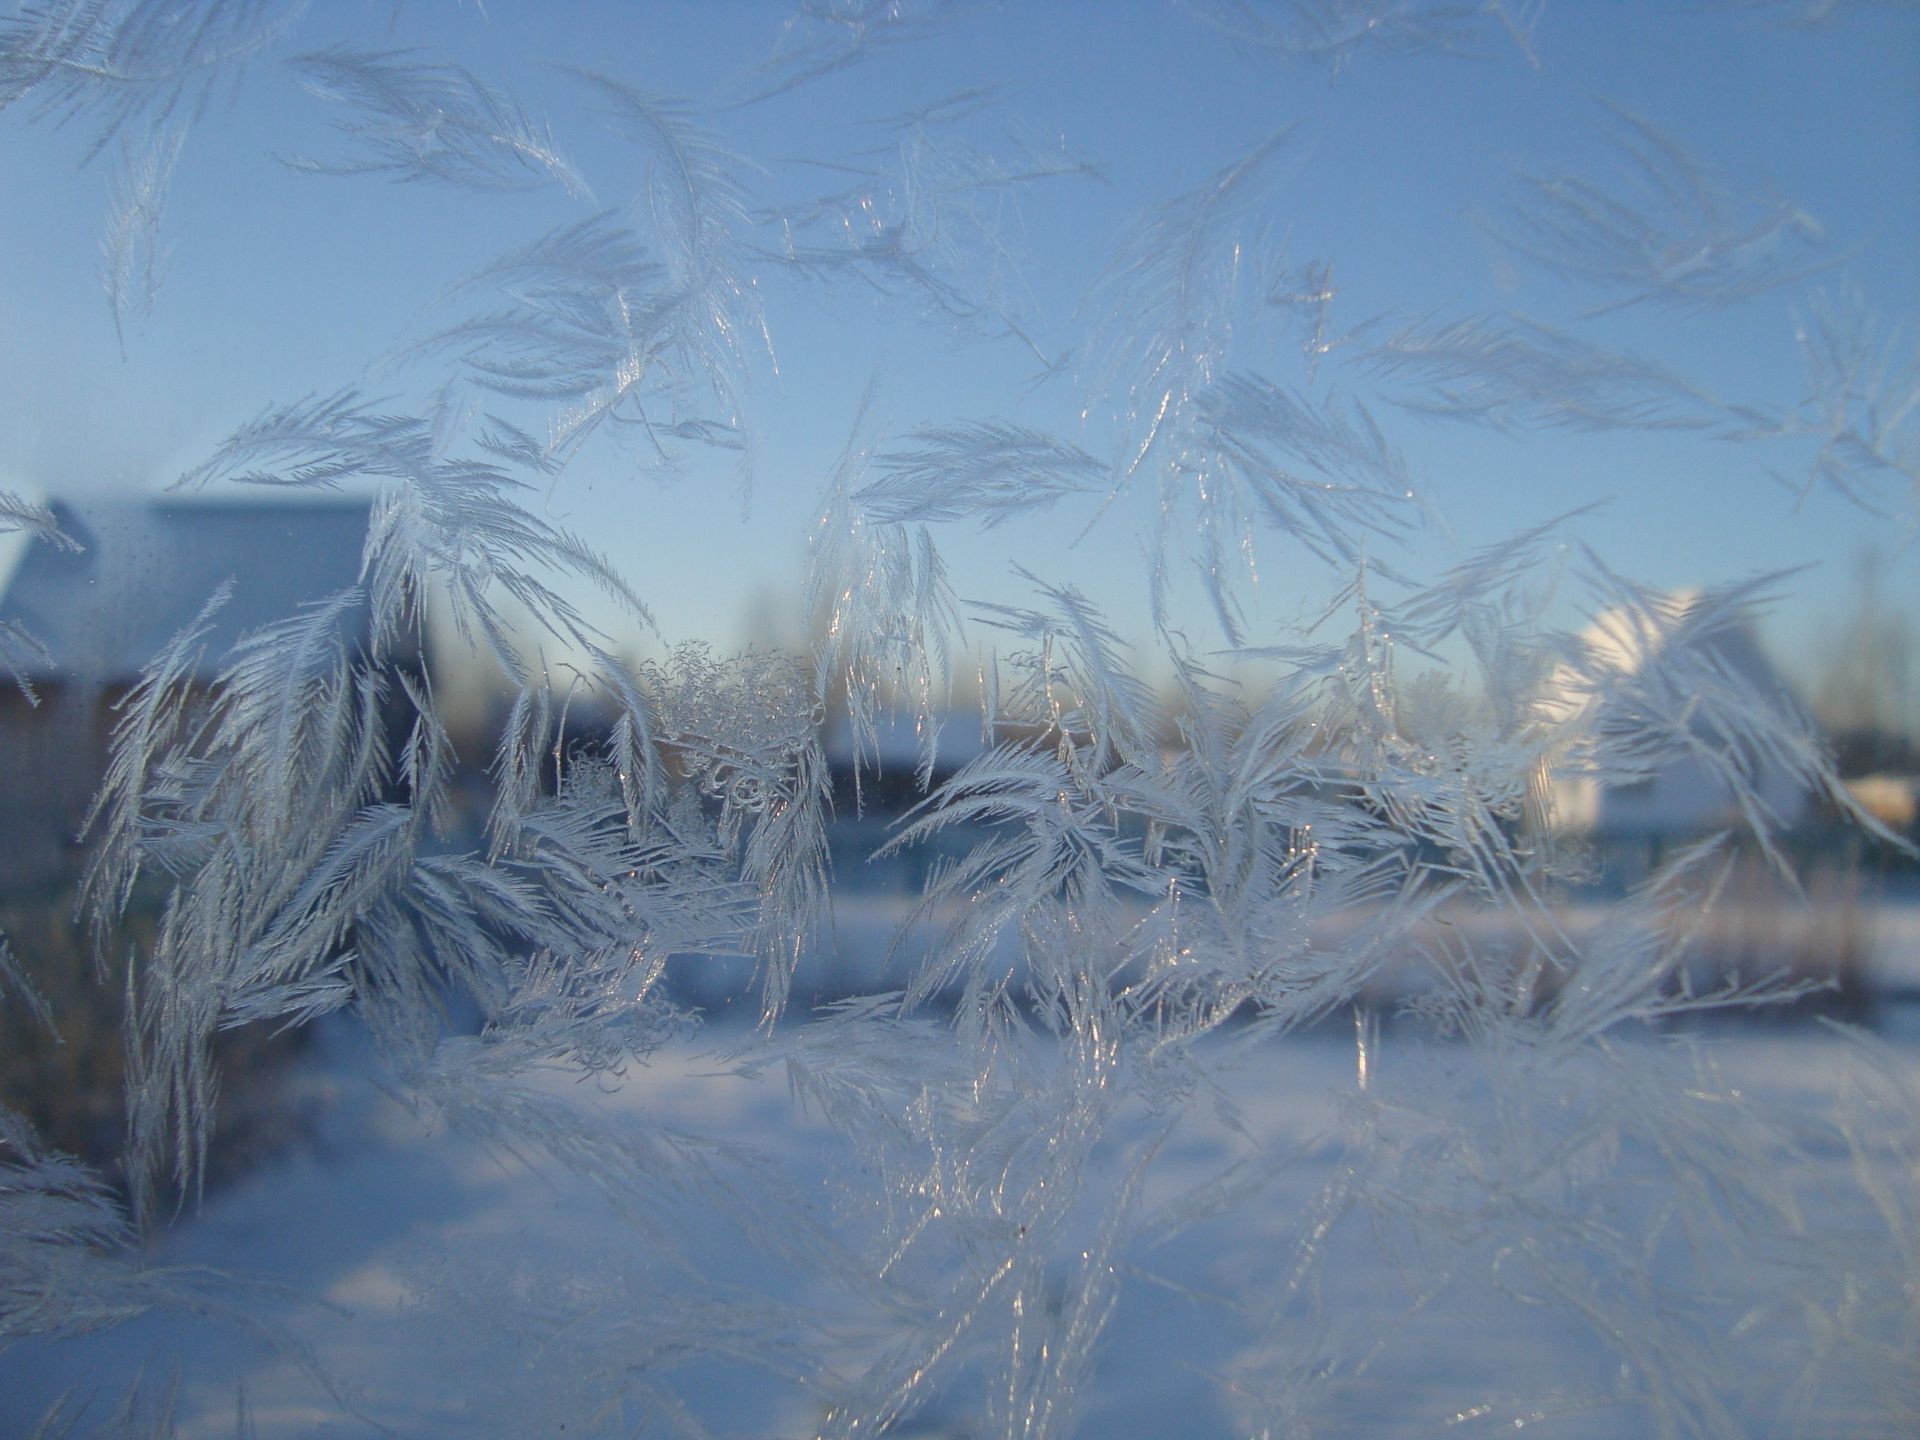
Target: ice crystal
x=433 y=122
x=122 y=62
x=20 y=652
x=1673 y=235
x=1186 y=849
x=134 y=258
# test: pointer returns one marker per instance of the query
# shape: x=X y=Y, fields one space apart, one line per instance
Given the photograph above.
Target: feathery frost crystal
x=1254 y=966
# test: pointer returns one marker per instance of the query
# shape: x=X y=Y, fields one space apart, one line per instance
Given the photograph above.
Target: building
x=1657 y=715
x=144 y=570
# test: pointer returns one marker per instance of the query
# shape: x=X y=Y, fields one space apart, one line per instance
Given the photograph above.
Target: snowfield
x=418 y=1283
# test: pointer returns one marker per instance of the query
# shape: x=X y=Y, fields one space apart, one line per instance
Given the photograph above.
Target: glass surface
x=879 y=716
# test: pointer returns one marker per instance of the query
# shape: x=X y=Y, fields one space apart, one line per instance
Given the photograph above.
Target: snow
x=357 y=1231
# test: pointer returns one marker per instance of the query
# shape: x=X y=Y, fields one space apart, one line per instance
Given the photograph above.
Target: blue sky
x=1401 y=174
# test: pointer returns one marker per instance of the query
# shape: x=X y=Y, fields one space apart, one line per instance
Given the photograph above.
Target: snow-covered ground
x=867 y=951
x=1894 y=968
x=404 y=1260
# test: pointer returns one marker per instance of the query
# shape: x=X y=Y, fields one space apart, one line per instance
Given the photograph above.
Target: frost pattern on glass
x=1672 y=235
x=432 y=122
x=1154 y=871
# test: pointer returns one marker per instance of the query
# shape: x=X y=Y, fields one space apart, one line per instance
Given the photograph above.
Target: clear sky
x=1401 y=173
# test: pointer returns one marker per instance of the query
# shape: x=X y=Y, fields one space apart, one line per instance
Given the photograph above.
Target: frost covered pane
x=924 y=797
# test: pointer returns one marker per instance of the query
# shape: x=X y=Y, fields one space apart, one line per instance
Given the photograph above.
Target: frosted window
x=954 y=719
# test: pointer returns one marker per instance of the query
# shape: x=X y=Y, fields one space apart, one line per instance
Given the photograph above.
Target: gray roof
x=149 y=566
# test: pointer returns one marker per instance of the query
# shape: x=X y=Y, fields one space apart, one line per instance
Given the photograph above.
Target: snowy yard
x=434 y=1287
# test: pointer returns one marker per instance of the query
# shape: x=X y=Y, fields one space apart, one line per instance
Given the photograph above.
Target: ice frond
x=127 y=61
x=1862 y=405
x=693 y=195
x=37 y=520
x=1051 y=840
x=1495 y=603
x=1345 y=480
x=1430 y=766
x=886 y=612
x=986 y=470
x=20 y=653
x=721 y=852
x=69 y=1263
x=1672 y=684
x=932 y=219
x=695 y=200
x=280 y=780
x=651 y=1175
x=1334 y=32
x=1513 y=374
x=525 y=740
x=744 y=734
x=153 y=717
x=419 y=120
x=823 y=37
x=1307 y=295
x=1211 y=438
x=580 y=299
x=1013 y=782
x=632 y=748
x=456 y=522
x=1246 y=823
x=597 y=251
x=281 y=690
x=1804 y=14
x=1645 y=966
x=1075 y=684
x=1501 y=585
x=592 y=322
x=507 y=442
x=314 y=442
x=1666 y=232
x=133 y=261
x=1164 y=309
x=449 y=519
x=14 y=981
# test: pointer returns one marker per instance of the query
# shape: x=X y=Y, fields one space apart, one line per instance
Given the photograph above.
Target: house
x=1650 y=696
x=144 y=570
